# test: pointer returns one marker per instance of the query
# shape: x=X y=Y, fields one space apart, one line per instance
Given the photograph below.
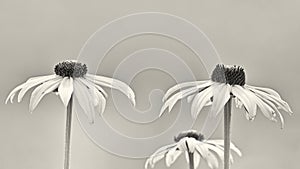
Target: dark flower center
x=70 y=69
x=233 y=75
x=192 y=134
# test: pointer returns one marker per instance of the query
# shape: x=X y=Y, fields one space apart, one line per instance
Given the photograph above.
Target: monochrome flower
x=195 y=147
x=226 y=82
x=71 y=78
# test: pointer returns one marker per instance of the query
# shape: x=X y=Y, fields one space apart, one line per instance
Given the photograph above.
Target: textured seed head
x=190 y=133
x=233 y=75
x=70 y=69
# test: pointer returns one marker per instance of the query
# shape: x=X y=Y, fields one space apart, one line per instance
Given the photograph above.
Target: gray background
x=263 y=36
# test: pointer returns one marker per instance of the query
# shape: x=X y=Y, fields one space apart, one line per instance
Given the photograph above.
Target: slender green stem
x=191 y=160
x=227 y=118
x=68 y=134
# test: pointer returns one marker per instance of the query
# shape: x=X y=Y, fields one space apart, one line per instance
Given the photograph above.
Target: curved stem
x=227 y=118
x=68 y=134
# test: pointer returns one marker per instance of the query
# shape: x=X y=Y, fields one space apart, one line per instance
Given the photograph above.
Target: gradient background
x=263 y=36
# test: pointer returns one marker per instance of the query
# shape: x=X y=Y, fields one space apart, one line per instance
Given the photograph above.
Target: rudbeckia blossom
x=72 y=83
x=226 y=82
x=71 y=78
x=195 y=147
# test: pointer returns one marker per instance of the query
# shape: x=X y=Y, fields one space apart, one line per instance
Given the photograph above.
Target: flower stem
x=68 y=134
x=191 y=160
x=227 y=118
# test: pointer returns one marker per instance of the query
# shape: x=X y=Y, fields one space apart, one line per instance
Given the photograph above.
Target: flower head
x=71 y=78
x=193 y=143
x=227 y=81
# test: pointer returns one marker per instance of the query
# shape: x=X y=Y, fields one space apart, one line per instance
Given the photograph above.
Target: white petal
x=276 y=110
x=115 y=84
x=102 y=103
x=212 y=161
x=173 y=99
x=12 y=94
x=159 y=154
x=92 y=90
x=217 y=150
x=278 y=101
x=202 y=149
x=266 y=90
x=33 y=82
x=265 y=109
x=190 y=98
x=221 y=143
x=187 y=158
x=164 y=148
x=41 y=91
x=180 y=86
x=191 y=143
x=196 y=160
x=65 y=90
x=221 y=96
x=246 y=97
x=200 y=101
x=171 y=156
x=83 y=97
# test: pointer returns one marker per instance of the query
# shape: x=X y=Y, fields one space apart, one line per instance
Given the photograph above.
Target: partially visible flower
x=227 y=81
x=193 y=145
x=71 y=78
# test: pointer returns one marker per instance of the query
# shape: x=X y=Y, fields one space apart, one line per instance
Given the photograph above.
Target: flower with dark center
x=71 y=78
x=73 y=85
x=227 y=81
x=70 y=69
x=233 y=75
x=193 y=145
x=189 y=133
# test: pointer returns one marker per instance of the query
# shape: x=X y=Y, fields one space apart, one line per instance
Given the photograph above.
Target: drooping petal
x=159 y=154
x=65 y=90
x=265 y=109
x=278 y=101
x=246 y=97
x=200 y=101
x=191 y=144
x=12 y=94
x=221 y=143
x=202 y=149
x=96 y=96
x=221 y=94
x=272 y=105
x=212 y=160
x=181 y=86
x=173 y=99
x=172 y=156
x=187 y=157
x=115 y=84
x=190 y=98
x=197 y=159
x=98 y=87
x=266 y=90
x=41 y=91
x=92 y=90
x=30 y=83
x=217 y=150
x=83 y=97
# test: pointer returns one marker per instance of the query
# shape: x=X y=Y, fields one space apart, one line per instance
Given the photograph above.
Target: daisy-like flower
x=72 y=83
x=226 y=82
x=195 y=147
x=71 y=78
